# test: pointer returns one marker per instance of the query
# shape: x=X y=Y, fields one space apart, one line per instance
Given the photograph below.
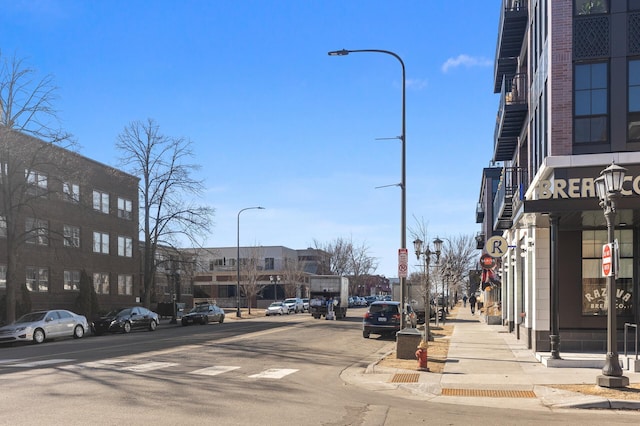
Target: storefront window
x=594 y=285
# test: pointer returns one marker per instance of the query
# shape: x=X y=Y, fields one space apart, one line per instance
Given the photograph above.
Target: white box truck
x=325 y=290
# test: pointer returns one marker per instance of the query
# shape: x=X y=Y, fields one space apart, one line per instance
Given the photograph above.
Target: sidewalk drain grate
x=489 y=393
x=405 y=378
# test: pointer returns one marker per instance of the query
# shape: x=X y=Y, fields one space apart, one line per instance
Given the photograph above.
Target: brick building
x=68 y=214
x=568 y=75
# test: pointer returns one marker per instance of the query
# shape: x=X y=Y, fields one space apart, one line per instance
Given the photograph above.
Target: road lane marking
x=273 y=373
x=213 y=371
x=149 y=366
x=39 y=363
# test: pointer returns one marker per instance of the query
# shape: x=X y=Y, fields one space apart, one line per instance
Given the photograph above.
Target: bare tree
x=361 y=266
x=348 y=259
x=29 y=142
x=252 y=267
x=162 y=164
x=293 y=277
x=458 y=257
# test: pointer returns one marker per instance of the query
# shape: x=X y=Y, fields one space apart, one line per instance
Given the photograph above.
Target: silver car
x=38 y=326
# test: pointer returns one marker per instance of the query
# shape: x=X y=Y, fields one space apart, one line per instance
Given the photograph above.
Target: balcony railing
x=479 y=213
x=511 y=31
x=513 y=185
x=512 y=112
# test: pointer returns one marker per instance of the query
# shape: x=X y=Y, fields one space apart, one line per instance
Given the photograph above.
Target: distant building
x=278 y=272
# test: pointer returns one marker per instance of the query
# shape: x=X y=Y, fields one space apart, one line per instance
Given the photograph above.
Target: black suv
x=383 y=317
x=202 y=314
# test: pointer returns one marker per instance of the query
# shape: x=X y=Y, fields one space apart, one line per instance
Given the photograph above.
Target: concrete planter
x=494 y=320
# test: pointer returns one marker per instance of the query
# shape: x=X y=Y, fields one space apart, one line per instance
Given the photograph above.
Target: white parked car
x=295 y=304
x=38 y=326
x=277 y=308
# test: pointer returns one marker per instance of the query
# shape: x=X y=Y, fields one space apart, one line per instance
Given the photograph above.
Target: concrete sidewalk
x=487 y=366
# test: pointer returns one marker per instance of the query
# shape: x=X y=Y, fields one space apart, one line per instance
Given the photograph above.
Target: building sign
x=594 y=301
x=579 y=187
x=496 y=246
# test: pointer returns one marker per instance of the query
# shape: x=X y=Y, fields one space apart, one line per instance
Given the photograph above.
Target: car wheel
x=204 y=320
x=221 y=319
x=366 y=334
x=38 y=335
x=78 y=332
x=126 y=328
x=153 y=325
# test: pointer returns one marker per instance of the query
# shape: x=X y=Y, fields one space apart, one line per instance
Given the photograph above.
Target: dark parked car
x=204 y=313
x=383 y=317
x=126 y=319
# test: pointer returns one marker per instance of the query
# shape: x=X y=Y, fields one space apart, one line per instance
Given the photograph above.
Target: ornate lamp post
x=402 y=137
x=608 y=187
x=426 y=257
x=238 y=314
x=275 y=279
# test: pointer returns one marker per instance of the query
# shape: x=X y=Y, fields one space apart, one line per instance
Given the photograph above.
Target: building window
x=594 y=285
x=37 y=279
x=125 y=209
x=71 y=236
x=591 y=7
x=125 y=246
x=101 y=242
x=101 y=282
x=590 y=103
x=71 y=192
x=634 y=4
x=125 y=285
x=37 y=231
x=72 y=280
x=634 y=101
x=3 y=276
x=269 y=263
x=101 y=201
x=3 y=226
x=37 y=182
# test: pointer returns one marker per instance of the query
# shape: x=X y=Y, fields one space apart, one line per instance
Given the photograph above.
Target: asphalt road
x=267 y=371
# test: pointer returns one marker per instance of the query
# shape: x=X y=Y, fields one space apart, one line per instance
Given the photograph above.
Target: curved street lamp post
x=238 y=314
x=426 y=257
x=608 y=188
x=403 y=186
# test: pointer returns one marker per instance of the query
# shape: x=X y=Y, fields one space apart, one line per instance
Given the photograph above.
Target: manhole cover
x=489 y=393
x=405 y=378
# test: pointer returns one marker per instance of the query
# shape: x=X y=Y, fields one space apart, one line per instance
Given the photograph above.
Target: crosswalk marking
x=213 y=371
x=39 y=363
x=124 y=365
x=273 y=373
x=149 y=366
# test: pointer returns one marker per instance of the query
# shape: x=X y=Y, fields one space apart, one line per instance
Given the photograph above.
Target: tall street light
x=403 y=186
x=238 y=314
x=426 y=256
x=608 y=187
x=275 y=279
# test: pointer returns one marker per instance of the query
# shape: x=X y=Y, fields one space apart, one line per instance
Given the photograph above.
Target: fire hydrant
x=421 y=355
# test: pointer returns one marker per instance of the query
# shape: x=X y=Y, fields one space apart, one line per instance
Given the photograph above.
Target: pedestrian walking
x=464 y=301
x=472 y=303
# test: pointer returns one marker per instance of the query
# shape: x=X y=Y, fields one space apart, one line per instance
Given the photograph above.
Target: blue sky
x=275 y=121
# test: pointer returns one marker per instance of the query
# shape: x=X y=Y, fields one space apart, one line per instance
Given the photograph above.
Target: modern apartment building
x=67 y=214
x=568 y=75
